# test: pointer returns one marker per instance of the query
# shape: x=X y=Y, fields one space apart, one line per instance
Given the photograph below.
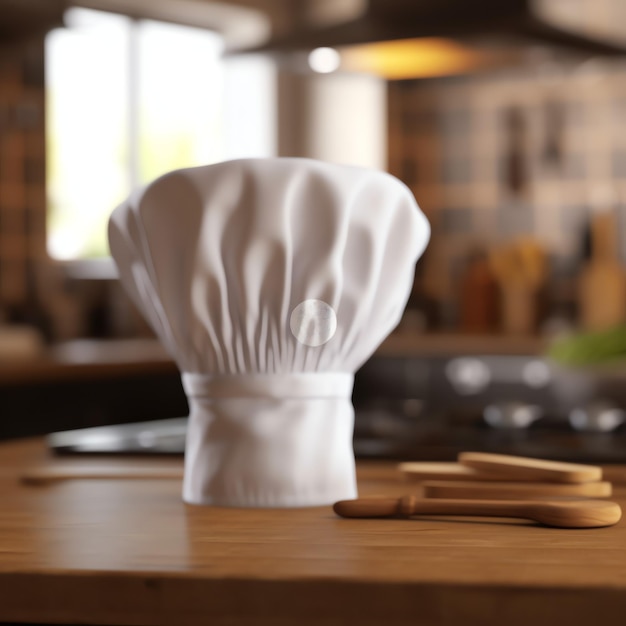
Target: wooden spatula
x=575 y=514
x=528 y=469
x=470 y=489
x=437 y=470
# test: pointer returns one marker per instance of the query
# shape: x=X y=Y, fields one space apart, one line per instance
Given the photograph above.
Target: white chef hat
x=270 y=281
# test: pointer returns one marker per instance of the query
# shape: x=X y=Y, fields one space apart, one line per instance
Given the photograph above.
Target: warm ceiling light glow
x=412 y=58
x=324 y=60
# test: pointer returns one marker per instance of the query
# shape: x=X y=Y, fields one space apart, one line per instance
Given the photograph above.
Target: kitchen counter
x=130 y=552
x=87 y=383
x=85 y=359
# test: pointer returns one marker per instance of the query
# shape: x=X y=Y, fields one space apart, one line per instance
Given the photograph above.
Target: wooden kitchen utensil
x=602 y=282
x=514 y=490
x=574 y=514
x=428 y=470
x=529 y=469
x=46 y=475
x=520 y=270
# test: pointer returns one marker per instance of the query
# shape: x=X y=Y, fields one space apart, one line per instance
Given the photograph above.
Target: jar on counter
x=478 y=296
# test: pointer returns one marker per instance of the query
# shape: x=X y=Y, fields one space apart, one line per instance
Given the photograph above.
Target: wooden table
x=130 y=552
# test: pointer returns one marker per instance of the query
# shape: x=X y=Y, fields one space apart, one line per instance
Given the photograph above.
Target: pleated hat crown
x=270 y=265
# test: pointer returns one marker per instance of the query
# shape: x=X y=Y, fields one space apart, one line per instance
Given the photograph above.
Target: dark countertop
x=81 y=359
x=87 y=383
x=86 y=358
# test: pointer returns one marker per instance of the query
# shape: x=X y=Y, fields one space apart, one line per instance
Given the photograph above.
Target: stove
x=431 y=408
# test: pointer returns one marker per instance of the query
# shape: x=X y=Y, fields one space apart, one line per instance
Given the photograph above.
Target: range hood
x=506 y=21
x=21 y=20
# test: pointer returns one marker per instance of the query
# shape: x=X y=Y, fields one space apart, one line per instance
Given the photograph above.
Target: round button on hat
x=270 y=281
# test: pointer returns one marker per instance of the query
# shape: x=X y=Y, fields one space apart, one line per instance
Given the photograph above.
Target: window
x=128 y=100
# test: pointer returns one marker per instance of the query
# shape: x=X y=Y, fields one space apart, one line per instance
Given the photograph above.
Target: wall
x=22 y=177
x=523 y=152
x=33 y=288
x=340 y=118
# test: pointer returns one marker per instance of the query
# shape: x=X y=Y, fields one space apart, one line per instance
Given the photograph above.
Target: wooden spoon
x=576 y=514
x=525 y=468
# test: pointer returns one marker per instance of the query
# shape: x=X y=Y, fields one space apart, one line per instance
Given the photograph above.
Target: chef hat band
x=278 y=386
x=269 y=451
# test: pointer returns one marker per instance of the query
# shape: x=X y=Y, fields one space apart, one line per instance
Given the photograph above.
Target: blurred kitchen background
x=507 y=119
